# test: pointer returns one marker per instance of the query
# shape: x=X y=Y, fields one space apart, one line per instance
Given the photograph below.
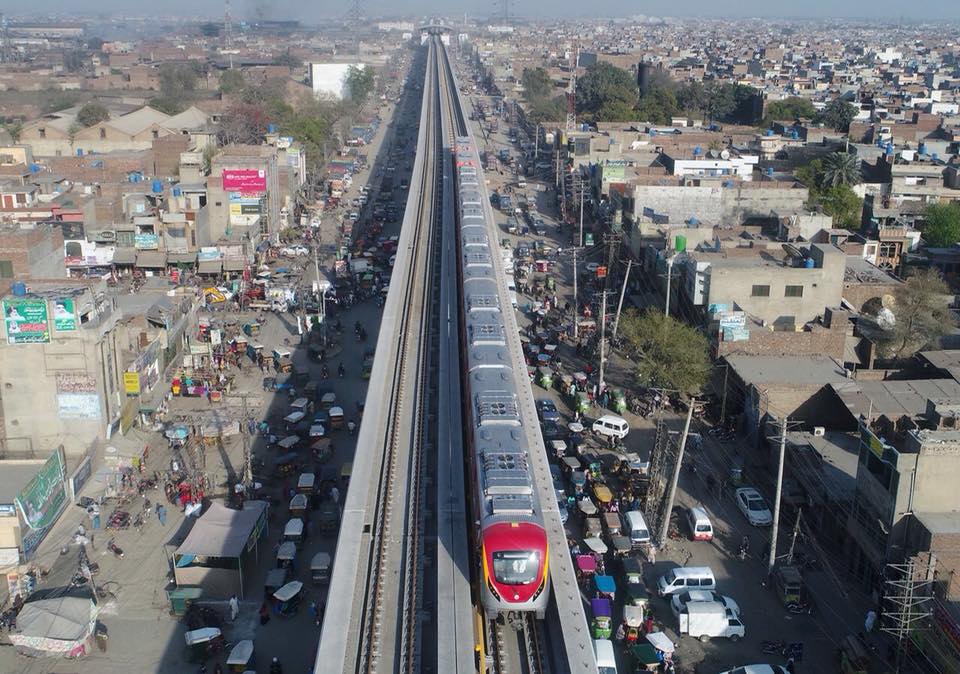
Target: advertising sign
x=146 y=241
x=41 y=501
x=26 y=321
x=64 y=315
x=208 y=253
x=78 y=405
x=131 y=383
x=250 y=181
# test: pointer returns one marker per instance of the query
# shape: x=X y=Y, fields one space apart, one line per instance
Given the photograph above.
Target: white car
x=757 y=669
x=683 y=598
x=753 y=507
x=294 y=251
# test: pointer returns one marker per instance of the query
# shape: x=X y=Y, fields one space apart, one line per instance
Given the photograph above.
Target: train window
x=516 y=567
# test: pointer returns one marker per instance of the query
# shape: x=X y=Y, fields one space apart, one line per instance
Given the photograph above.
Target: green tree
x=837 y=115
x=840 y=168
x=922 y=314
x=288 y=59
x=790 y=109
x=548 y=110
x=656 y=107
x=72 y=132
x=74 y=60
x=231 y=82
x=606 y=92
x=95 y=43
x=178 y=83
x=667 y=353
x=537 y=84
x=15 y=129
x=92 y=113
x=843 y=204
x=693 y=98
x=359 y=83
x=941 y=224
x=210 y=29
x=721 y=101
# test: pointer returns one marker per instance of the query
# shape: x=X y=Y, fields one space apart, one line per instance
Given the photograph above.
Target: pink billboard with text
x=244 y=180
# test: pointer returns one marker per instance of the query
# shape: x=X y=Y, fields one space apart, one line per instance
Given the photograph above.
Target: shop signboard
x=65 y=315
x=131 y=383
x=208 y=253
x=78 y=405
x=80 y=477
x=249 y=181
x=42 y=500
x=146 y=241
x=26 y=321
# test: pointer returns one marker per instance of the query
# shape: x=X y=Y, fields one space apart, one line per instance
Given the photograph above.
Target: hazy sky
x=318 y=9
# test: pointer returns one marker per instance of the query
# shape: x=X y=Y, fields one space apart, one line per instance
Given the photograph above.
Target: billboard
x=77 y=396
x=146 y=241
x=131 y=383
x=42 y=499
x=249 y=181
x=26 y=321
x=64 y=315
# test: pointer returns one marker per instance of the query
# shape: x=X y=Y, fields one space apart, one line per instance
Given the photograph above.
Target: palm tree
x=841 y=168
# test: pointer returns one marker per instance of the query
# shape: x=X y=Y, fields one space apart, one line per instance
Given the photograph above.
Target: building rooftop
x=948 y=361
x=940 y=523
x=861 y=271
x=803 y=370
x=14 y=476
x=893 y=399
x=836 y=471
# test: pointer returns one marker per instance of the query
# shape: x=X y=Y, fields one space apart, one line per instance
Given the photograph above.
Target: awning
x=181 y=258
x=234 y=264
x=209 y=266
x=153 y=259
x=222 y=531
x=124 y=256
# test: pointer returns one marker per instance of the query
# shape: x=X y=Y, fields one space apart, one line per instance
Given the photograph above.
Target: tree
x=837 y=115
x=843 y=204
x=548 y=110
x=243 y=123
x=790 y=109
x=693 y=98
x=658 y=106
x=537 y=84
x=178 y=83
x=74 y=60
x=72 y=132
x=92 y=113
x=95 y=43
x=606 y=92
x=922 y=314
x=941 y=224
x=231 y=82
x=359 y=83
x=840 y=168
x=667 y=353
x=721 y=101
x=210 y=29
x=288 y=59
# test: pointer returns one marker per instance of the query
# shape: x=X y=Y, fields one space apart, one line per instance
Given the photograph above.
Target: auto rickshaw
x=336 y=417
x=632 y=571
x=320 y=568
x=329 y=517
x=204 y=643
x=637 y=594
x=298 y=506
x=581 y=403
x=622 y=545
x=346 y=470
x=251 y=329
x=601 y=626
x=328 y=400
x=288 y=598
x=789 y=584
x=595 y=545
x=288 y=443
x=310 y=390
x=545 y=377
x=240 y=657
x=276 y=578
x=322 y=449
x=618 y=402
x=283 y=361
x=646 y=657
x=633 y=618
x=586 y=568
x=611 y=522
x=589 y=508
x=854 y=658
x=559 y=449
x=603 y=495
x=293 y=531
x=286 y=554
x=303 y=404
x=306 y=483
x=578 y=479
x=293 y=419
x=367 y=368
x=605 y=586
x=570 y=465
x=285 y=463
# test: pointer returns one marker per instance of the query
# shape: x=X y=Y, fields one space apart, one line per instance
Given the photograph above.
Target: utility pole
x=581 y=214
x=576 y=326
x=723 y=401
x=623 y=292
x=666 y=305
x=902 y=596
x=772 y=557
x=321 y=290
x=672 y=493
x=603 y=331
x=793 y=536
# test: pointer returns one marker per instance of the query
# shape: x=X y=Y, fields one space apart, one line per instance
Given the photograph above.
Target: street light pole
x=576 y=327
x=774 y=531
x=671 y=495
x=603 y=326
x=581 y=213
x=666 y=306
x=623 y=292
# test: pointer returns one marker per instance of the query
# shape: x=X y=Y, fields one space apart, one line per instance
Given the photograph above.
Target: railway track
x=390 y=626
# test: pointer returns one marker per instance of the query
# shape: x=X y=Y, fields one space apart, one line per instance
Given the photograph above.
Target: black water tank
x=643 y=77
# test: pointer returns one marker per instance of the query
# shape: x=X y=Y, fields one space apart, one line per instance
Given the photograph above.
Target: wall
x=35 y=253
x=765 y=342
x=329 y=79
x=714 y=204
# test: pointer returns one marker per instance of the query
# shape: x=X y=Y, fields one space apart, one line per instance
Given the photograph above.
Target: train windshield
x=516 y=567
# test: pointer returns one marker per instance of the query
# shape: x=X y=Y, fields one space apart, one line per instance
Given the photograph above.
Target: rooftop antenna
x=228 y=31
x=572 y=92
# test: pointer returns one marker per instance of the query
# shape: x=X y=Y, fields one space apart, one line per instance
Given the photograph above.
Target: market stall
x=59 y=627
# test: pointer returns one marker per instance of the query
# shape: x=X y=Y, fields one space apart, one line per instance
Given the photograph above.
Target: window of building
x=156 y=134
x=793 y=291
x=6 y=269
x=42 y=132
x=760 y=291
x=103 y=134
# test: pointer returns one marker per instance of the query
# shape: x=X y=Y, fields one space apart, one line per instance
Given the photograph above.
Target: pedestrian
x=162 y=514
x=234 y=608
x=621 y=633
x=870 y=621
x=264 y=614
x=791 y=665
x=334 y=494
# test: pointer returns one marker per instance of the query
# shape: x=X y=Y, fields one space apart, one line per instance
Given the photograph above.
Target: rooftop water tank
x=808 y=263
x=271 y=128
x=177 y=191
x=768 y=132
x=697 y=151
x=19 y=288
x=923 y=148
x=157 y=186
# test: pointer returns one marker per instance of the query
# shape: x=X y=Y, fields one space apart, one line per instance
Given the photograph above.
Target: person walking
x=234 y=608
x=162 y=514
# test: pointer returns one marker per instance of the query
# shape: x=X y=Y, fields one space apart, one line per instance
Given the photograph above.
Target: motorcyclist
x=275 y=667
x=324 y=373
x=341 y=371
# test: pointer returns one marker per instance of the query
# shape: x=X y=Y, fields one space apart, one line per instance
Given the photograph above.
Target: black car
x=553 y=431
x=547 y=411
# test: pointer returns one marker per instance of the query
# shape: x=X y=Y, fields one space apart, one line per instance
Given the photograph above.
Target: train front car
x=511 y=537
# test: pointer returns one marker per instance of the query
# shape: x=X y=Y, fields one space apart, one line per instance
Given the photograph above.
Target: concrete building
x=330 y=79
x=243 y=194
x=31 y=251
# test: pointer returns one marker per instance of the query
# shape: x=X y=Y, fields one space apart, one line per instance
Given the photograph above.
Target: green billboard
x=41 y=501
x=26 y=321
x=64 y=315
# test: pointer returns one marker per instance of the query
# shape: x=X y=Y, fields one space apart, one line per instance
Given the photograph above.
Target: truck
x=707 y=619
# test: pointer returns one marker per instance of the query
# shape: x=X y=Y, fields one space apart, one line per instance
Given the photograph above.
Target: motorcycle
x=324 y=373
x=744 y=548
x=341 y=371
x=275 y=667
x=115 y=549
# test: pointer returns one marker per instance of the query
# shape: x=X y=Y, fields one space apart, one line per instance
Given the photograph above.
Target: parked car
x=757 y=669
x=683 y=598
x=553 y=431
x=547 y=410
x=753 y=507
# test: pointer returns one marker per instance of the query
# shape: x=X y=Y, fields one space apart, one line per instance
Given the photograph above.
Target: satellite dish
x=888 y=302
x=724 y=154
x=792 y=251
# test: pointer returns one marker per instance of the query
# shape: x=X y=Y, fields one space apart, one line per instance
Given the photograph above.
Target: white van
x=636 y=528
x=684 y=578
x=706 y=619
x=611 y=426
x=701 y=529
x=603 y=654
